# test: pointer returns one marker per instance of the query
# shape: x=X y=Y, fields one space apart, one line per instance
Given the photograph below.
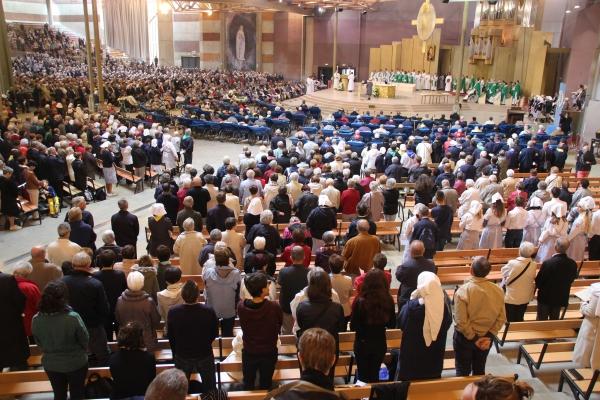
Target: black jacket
x=201 y=198
x=140 y=159
x=554 y=280
x=256 y=259
x=12 y=305
x=325 y=314
x=321 y=220
x=269 y=232
x=126 y=228
x=353 y=229
x=192 y=329
x=83 y=234
x=132 y=371
x=114 y=283
x=281 y=208
x=390 y=203
x=407 y=275
x=292 y=279
x=420 y=226
x=305 y=204
x=88 y=298
x=216 y=217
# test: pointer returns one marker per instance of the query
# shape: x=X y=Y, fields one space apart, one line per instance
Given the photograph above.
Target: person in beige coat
x=235 y=241
x=188 y=246
x=587 y=347
x=518 y=278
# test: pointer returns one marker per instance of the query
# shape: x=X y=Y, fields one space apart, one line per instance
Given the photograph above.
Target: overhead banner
x=240 y=43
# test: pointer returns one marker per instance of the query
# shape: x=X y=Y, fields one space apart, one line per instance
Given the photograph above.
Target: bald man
x=360 y=250
x=43 y=270
x=408 y=272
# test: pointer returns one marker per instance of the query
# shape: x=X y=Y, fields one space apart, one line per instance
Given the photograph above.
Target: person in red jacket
x=31 y=292
x=298 y=236
x=349 y=200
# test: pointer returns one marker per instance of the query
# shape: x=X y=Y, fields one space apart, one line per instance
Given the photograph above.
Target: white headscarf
x=430 y=294
x=158 y=210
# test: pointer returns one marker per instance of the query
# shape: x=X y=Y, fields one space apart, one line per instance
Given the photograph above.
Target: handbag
x=98 y=387
x=505 y=285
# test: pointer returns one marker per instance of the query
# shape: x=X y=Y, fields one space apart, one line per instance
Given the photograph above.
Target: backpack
x=427 y=237
x=100 y=194
x=98 y=387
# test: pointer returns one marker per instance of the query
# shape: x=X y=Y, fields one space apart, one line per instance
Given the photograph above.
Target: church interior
x=357 y=199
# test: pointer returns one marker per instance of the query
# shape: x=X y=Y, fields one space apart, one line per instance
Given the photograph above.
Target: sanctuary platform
x=330 y=100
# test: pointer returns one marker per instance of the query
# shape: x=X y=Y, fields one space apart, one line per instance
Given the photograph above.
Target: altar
x=394 y=89
x=386 y=91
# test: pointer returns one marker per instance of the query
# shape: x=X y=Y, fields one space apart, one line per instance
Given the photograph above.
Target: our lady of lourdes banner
x=240 y=42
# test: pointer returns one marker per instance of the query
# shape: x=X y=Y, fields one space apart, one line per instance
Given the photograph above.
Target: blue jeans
x=204 y=366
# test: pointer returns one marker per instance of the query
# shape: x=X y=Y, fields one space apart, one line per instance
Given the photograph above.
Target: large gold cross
x=426 y=22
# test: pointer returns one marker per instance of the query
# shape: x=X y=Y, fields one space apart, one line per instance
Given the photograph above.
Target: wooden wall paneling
x=374 y=59
x=406 y=57
x=386 y=56
x=396 y=56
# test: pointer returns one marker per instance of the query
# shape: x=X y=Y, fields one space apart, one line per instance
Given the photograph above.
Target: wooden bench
x=129 y=176
x=536 y=330
x=548 y=352
x=582 y=381
x=588 y=268
x=71 y=191
x=26 y=210
x=152 y=176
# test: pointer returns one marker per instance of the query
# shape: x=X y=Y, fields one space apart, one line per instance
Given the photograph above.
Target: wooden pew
x=536 y=330
x=588 y=268
x=548 y=352
x=26 y=210
x=582 y=381
x=131 y=177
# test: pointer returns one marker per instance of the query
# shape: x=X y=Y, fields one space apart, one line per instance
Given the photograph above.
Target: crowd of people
x=71 y=298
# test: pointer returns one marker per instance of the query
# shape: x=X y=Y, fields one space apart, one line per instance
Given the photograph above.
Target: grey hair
x=188 y=201
x=526 y=249
x=81 y=260
x=266 y=217
x=77 y=200
x=250 y=174
x=215 y=235
x=373 y=185
x=23 y=269
x=64 y=229
x=294 y=176
x=328 y=237
x=188 y=224
x=390 y=183
x=108 y=236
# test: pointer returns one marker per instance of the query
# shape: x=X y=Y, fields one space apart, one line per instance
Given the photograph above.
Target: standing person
x=253 y=208
x=534 y=222
x=317 y=356
x=585 y=160
x=518 y=279
x=171 y=384
x=555 y=227
x=427 y=232
x=216 y=216
x=516 y=221
x=192 y=327
x=491 y=237
x=292 y=279
x=235 y=241
x=43 y=271
x=442 y=215
x=349 y=201
x=585 y=353
x=341 y=284
x=321 y=220
x=170 y=296
x=373 y=311
x=12 y=307
x=132 y=368
x=88 y=299
x=62 y=249
x=32 y=294
x=222 y=284
x=578 y=235
x=108 y=168
x=261 y=321
x=472 y=224
x=125 y=225
x=61 y=334
x=408 y=272
x=161 y=228
x=187 y=146
x=553 y=282
x=188 y=246
x=9 y=193
x=319 y=310
x=479 y=315
x=424 y=320
x=114 y=284
x=594 y=243
x=360 y=250
x=137 y=305
x=266 y=230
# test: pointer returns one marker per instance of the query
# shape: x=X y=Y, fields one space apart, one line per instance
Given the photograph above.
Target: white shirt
x=470 y=223
x=333 y=194
x=61 y=250
x=551 y=204
x=516 y=218
x=520 y=291
x=595 y=226
x=424 y=151
x=255 y=206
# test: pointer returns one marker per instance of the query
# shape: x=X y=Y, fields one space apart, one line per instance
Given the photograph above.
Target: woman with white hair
x=581 y=228
x=31 y=292
x=424 y=321
x=518 y=280
x=188 y=246
x=374 y=201
x=294 y=187
x=465 y=199
x=135 y=305
x=234 y=240
x=407 y=229
x=472 y=224
x=556 y=226
x=161 y=229
x=169 y=155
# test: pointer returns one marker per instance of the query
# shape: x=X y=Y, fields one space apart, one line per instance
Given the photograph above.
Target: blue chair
x=309 y=130
x=389 y=127
x=356 y=125
x=346 y=135
x=372 y=126
x=356 y=146
x=328 y=132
